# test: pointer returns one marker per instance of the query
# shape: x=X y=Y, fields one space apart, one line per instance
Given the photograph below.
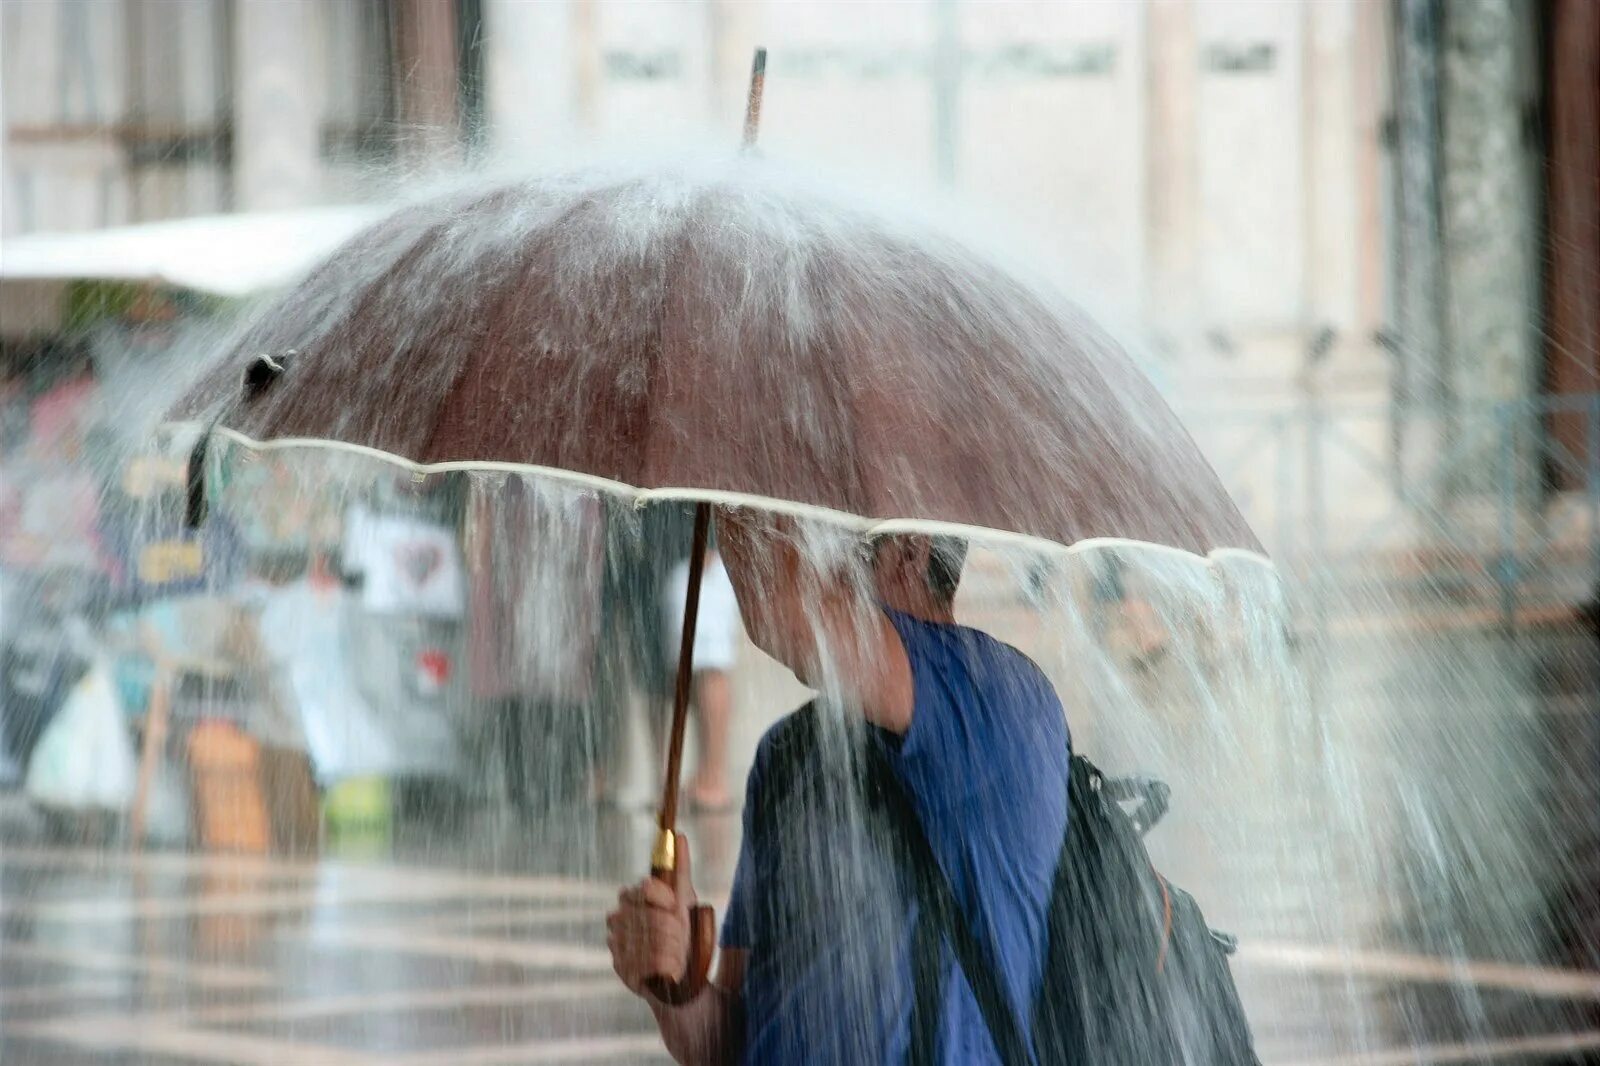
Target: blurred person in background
x=52 y=566
x=13 y=431
x=534 y=562
x=637 y=666
x=57 y=495
x=716 y=643
x=404 y=618
x=1128 y=621
x=292 y=627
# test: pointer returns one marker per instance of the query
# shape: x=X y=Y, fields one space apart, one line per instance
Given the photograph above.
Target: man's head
x=783 y=591
x=917 y=573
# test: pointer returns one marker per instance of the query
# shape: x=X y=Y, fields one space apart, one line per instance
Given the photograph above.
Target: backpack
x=1133 y=975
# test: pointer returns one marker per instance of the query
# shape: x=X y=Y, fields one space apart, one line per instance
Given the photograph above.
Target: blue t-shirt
x=814 y=902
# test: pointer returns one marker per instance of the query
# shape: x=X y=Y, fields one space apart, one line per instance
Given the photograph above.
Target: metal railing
x=1489 y=506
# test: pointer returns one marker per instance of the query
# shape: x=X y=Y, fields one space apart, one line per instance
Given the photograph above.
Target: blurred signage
x=406 y=566
x=169 y=561
x=861 y=64
x=1239 y=57
x=657 y=65
x=1022 y=60
x=147 y=476
x=1075 y=60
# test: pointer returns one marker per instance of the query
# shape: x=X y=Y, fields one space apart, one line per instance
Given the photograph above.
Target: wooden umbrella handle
x=702 y=946
x=664 y=857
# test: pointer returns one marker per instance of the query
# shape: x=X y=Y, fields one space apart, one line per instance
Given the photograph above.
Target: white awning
x=225 y=255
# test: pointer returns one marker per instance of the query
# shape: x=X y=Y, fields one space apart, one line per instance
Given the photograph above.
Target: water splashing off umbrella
x=727 y=335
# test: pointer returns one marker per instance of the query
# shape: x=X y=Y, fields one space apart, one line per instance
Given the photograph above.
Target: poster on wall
x=406 y=565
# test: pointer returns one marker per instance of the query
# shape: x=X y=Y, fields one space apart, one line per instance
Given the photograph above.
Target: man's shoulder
x=964 y=640
x=788 y=738
x=775 y=772
x=1001 y=661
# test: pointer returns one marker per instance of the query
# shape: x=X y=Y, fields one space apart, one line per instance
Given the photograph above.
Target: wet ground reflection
x=481 y=941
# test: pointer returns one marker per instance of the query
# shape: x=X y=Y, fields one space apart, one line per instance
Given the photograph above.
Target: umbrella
x=724 y=333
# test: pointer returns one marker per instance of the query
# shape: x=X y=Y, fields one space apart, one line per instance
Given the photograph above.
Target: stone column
x=63 y=96
x=584 y=40
x=945 y=75
x=1488 y=213
x=1374 y=96
x=1171 y=162
x=425 y=50
x=1573 y=346
x=276 y=160
x=1332 y=223
x=529 y=83
x=1422 y=394
x=733 y=33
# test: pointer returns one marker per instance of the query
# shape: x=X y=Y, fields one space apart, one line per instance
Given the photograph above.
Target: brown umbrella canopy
x=728 y=329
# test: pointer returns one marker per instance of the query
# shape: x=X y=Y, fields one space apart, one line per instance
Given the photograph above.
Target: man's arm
x=708 y=1030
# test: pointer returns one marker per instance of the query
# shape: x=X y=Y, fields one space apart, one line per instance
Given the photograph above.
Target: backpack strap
x=793 y=751
x=928 y=993
x=915 y=857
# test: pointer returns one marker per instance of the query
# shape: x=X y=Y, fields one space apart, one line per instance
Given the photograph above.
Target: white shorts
x=716 y=631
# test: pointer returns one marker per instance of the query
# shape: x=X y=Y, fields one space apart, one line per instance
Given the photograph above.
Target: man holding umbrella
x=810 y=969
x=734 y=338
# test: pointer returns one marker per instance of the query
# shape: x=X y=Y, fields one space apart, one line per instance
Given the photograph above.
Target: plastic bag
x=85 y=759
x=301 y=630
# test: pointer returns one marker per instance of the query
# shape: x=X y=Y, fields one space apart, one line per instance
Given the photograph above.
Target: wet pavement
x=1466 y=930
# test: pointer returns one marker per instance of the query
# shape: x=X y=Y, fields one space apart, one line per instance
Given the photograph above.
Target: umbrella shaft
x=680 y=694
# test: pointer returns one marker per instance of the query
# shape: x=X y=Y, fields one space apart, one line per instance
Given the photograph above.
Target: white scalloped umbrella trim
x=640 y=497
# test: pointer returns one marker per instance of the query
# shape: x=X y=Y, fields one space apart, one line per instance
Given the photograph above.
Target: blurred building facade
x=1211 y=166
x=122 y=111
x=1385 y=203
